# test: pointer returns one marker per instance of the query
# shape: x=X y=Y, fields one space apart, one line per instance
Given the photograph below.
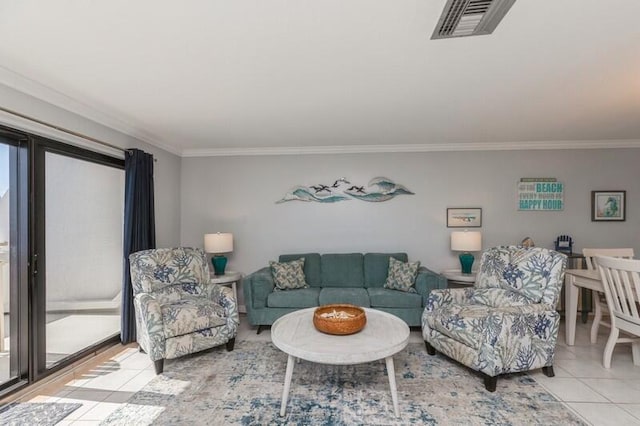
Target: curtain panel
x=139 y=227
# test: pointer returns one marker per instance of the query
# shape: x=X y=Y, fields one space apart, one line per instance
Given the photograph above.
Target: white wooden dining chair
x=600 y=304
x=621 y=282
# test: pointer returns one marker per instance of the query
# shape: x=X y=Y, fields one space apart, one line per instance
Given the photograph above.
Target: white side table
x=458 y=279
x=229 y=279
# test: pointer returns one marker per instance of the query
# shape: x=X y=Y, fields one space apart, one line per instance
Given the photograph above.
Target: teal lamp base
x=466 y=261
x=219 y=263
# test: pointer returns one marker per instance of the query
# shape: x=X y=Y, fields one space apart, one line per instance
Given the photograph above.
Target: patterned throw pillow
x=288 y=275
x=401 y=275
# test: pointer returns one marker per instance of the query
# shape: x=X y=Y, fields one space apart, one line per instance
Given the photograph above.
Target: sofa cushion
x=499 y=297
x=385 y=298
x=342 y=270
x=353 y=295
x=288 y=275
x=311 y=266
x=191 y=314
x=402 y=275
x=299 y=298
x=376 y=267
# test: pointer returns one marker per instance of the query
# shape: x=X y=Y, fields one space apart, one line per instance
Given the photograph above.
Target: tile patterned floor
x=598 y=395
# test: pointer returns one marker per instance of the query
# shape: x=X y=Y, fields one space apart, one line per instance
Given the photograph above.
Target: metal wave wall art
x=378 y=189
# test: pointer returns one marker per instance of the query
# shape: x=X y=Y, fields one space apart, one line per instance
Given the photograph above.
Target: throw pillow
x=288 y=275
x=401 y=275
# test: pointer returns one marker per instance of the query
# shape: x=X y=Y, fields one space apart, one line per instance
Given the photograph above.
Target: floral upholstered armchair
x=178 y=310
x=508 y=321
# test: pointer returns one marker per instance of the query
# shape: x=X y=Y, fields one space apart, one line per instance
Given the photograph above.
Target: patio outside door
x=79 y=213
x=13 y=309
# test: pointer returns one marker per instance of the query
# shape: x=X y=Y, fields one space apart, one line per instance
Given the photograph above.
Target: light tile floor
x=598 y=395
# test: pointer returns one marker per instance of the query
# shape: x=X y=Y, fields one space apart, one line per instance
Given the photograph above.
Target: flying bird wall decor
x=378 y=189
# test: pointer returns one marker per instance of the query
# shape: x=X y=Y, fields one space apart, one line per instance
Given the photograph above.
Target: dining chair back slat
x=621 y=282
x=600 y=304
x=590 y=254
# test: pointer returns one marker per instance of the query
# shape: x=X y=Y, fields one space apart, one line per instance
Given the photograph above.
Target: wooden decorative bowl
x=340 y=326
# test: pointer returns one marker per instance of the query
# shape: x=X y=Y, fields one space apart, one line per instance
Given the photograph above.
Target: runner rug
x=244 y=387
x=35 y=413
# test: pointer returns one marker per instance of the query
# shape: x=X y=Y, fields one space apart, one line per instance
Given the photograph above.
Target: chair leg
x=596 y=319
x=548 y=371
x=140 y=349
x=635 y=353
x=230 y=344
x=490 y=383
x=608 y=349
x=430 y=349
x=259 y=329
x=159 y=366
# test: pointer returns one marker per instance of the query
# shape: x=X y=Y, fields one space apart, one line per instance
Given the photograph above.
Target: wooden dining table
x=573 y=279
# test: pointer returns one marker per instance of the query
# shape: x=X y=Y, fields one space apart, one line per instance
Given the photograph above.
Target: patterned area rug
x=245 y=387
x=35 y=413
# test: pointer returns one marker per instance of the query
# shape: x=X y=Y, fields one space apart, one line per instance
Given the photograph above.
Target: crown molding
x=44 y=93
x=436 y=147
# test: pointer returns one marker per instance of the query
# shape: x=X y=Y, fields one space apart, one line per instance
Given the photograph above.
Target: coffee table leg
x=391 y=372
x=287 y=384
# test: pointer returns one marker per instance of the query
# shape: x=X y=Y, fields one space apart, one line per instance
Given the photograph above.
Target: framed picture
x=608 y=206
x=464 y=217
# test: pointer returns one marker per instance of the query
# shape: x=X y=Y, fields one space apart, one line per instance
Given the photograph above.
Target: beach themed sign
x=378 y=189
x=540 y=194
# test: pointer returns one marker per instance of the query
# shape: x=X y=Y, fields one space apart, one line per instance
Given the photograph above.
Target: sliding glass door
x=13 y=284
x=78 y=216
x=61 y=228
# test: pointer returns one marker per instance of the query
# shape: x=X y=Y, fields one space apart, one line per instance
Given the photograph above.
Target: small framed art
x=464 y=217
x=608 y=206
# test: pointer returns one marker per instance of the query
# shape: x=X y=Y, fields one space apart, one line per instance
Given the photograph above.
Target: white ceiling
x=211 y=76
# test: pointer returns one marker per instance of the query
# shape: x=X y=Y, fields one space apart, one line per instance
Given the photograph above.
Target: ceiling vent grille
x=462 y=18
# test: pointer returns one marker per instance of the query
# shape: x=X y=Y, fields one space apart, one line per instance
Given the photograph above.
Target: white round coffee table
x=383 y=336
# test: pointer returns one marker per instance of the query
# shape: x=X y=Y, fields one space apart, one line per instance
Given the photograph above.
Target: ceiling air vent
x=462 y=18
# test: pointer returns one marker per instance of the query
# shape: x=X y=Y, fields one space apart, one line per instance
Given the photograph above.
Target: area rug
x=245 y=387
x=35 y=413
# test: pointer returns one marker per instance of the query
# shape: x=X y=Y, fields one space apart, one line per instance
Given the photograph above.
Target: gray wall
x=167 y=166
x=238 y=194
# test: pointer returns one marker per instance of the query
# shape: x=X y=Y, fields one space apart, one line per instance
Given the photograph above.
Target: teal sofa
x=339 y=278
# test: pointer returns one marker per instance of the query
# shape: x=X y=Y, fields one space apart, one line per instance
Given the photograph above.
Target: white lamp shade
x=218 y=243
x=466 y=241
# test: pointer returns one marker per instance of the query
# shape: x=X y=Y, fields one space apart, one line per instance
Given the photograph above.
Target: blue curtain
x=139 y=227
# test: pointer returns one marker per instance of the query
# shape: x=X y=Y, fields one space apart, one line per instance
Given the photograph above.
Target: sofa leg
x=159 y=366
x=548 y=371
x=230 y=344
x=259 y=329
x=490 y=383
x=430 y=349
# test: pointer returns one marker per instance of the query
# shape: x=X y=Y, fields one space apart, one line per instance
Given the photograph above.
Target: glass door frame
x=38 y=148
x=19 y=357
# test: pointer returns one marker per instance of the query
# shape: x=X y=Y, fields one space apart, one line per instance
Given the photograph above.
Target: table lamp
x=218 y=244
x=466 y=241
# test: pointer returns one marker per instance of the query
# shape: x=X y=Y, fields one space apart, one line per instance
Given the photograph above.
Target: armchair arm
x=257 y=288
x=150 y=329
x=223 y=296
x=426 y=281
x=447 y=296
